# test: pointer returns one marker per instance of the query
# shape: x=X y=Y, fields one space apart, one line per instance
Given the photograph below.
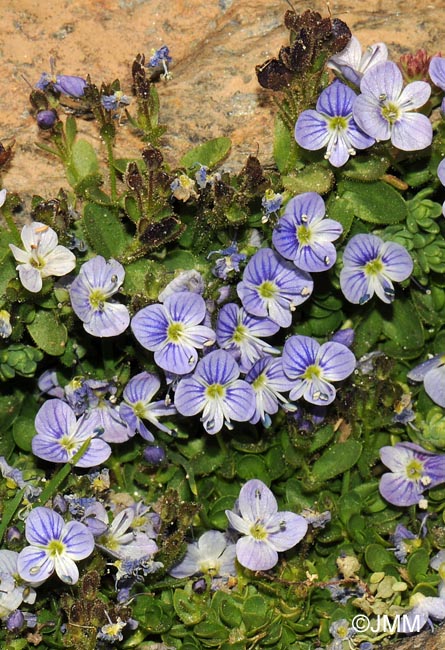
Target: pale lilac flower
x=405 y=542
x=13 y=590
x=90 y=292
x=370 y=266
x=340 y=631
x=313 y=367
x=432 y=373
x=239 y=333
x=271 y=204
x=107 y=420
x=42 y=257
x=212 y=554
x=215 y=390
x=121 y=541
x=60 y=436
x=2 y=196
x=266 y=532
x=351 y=64
x=384 y=110
x=268 y=382
x=413 y=470
x=426 y=609
x=54 y=546
x=273 y=287
x=111 y=632
x=332 y=126
x=304 y=236
x=437 y=71
x=186 y=281
x=138 y=405
x=173 y=331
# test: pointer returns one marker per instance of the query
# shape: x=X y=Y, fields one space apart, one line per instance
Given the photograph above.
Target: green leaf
x=23 y=431
x=375 y=202
x=377 y=557
x=105 y=231
x=341 y=210
x=83 y=162
x=404 y=328
x=48 y=333
x=418 y=564
x=313 y=178
x=188 y=611
x=367 y=332
x=285 y=149
x=336 y=460
x=253 y=467
x=209 y=154
x=70 y=130
x=366 y=168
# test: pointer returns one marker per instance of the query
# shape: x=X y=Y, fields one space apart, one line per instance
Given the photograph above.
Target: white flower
x=2 y=197
x=42 y=256
x=13 y=590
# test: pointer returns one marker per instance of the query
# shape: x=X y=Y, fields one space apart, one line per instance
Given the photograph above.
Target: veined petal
x=34 y=565
x=20 y=255
x=150 y=326
x=419 y=372
x=437 y=71
x=59 y=261
x=212 y=415
x=299 y=352
x=399 y=490
x=42 y=526
x=112 y=320
x=336 y=361
x=55 y=419
x=238 y=523
x=97 y=453
x=239 y=401
x=412 y=132
x=309 y=205
x=398 y=262
x=78 y=540
x=383 y=79
x=190 y=396
x=30 y=277
x=49 y=449
x=255 y=554
x=141 y=388
x=185 y=307
x=434 y=383
x=336 y=100
x=414 y=95
x=38 y=236
x=316 y=257
x=441 y=171
x=178 y=358
x=284 y=237
x=311 y=130
x=66 y=569
x=256 y=501
x=355 y=286
x=368 y=116
x=288 y=529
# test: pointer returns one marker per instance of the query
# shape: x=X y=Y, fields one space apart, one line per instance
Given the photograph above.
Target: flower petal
x=256 y=501
x=255 y=554
x=34 y=565
x=42 y=526
x=78 y=540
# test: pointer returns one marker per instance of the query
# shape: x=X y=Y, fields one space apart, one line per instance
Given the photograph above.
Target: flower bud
x=154 y=455
x=46 y=119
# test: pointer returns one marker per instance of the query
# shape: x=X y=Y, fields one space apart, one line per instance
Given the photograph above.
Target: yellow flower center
x=214 y=391
x=391 y=112
x=374 y=267
x=55 y=547
x=414 y=470
x=239 y=334
x=175 y=331
x=267 y=290
x=258 y=531
x=97 y=300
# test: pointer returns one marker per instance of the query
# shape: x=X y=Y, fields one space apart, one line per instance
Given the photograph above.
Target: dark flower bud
x=46 y=119
x=199 y=586
x=69 y=85
x=13 y=534
x=345 y=337
x=154 y=455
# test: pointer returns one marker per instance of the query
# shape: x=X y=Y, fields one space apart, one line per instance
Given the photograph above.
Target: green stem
x=112 y=169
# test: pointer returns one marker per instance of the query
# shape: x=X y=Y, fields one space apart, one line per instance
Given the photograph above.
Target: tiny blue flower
x=161 y=58
x=273 y=287
x=138 y=405
x=313 y=367
x=240 y=332
x=215 y=390
x=271 y=204
x=413 y=470
x=115 y=101
x=97 y=281
x=212 y=554
x=60 y=436
x=351 y=64
x=54 y=546
x=269 y=382
x=437 y=71
x=265 y=531
x=304 y=236
x=332 y=126
x=385 y=110
x=370 y=265
x=173 y=331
